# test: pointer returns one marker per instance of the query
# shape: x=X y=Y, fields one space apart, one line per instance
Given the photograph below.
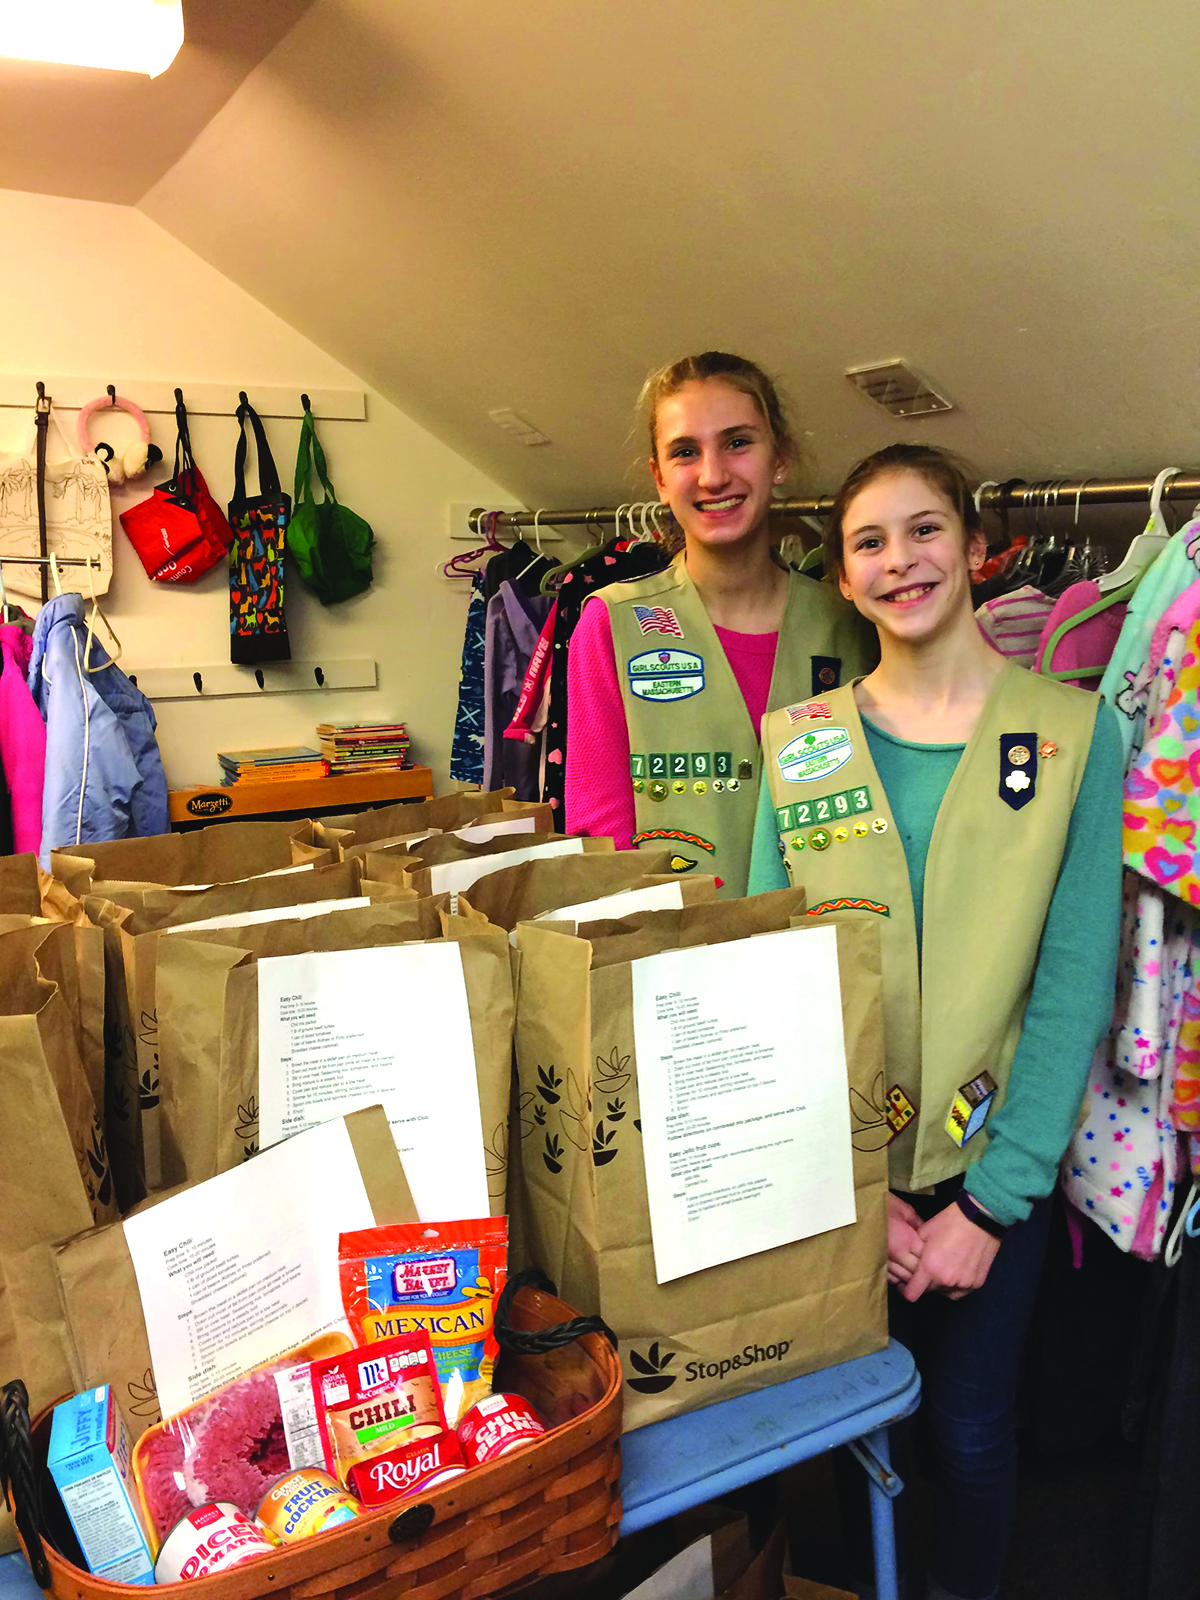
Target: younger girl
x=975 y=809
x=669 y=676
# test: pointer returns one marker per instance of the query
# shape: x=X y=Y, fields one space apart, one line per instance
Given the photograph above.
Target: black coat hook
x=112 y=395
x=41 y=390
x=319 y=676
x=306 y=402
x=199 y=682
x=242 y=400
x=259 y=679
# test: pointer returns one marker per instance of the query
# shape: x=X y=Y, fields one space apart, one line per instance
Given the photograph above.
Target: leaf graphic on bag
x=552 y=1154
x=523 y=1105
x=611 y=1075
x=539 y=1116
x=247 y=1122
x=602 y=1154
x=495 y=1160
x=143 y=1397
x=869 y=1129
x=548 y=1085
x=616 y=1110
x=575 y=1121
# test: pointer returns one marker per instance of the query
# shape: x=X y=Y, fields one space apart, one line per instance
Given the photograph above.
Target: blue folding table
x=683 y=1461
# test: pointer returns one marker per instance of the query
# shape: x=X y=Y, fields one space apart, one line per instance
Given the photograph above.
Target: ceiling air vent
x=899 y=389
x=518 y=427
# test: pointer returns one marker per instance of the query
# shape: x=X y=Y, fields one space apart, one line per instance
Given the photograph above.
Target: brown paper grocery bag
x=783 y=1312
x=73 y=958
x=217 y=854
x=209 y=1083
x=20 y=890
x=488 y=976
x=446 y=848
x=521 y=893
x=99 y=1292
x=54 y=1176
x=440 y=815
x=154 y=910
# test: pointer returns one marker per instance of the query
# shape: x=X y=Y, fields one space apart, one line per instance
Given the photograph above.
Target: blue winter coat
x=104 y=775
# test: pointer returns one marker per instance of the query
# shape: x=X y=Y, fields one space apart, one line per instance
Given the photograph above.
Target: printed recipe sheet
x=243 y=1268
x=741 y=1070
x=340 y=1029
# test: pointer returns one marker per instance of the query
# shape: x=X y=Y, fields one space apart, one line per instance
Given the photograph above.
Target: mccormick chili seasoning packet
x=441 y=1278
x=371 y=1400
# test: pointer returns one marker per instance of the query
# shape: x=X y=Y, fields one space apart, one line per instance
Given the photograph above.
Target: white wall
x=95 y=288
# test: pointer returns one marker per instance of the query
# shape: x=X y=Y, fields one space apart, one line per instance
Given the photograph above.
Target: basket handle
x=18 y=1476
x=522 y=1342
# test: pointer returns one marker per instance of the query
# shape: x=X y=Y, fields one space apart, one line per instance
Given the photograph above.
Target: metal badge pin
x=658 y=790
x=679 y=786
x=745 y=769
x=718 y=786
x=638 y=786
x=879 y=825
x=861 y=829
x=1047 y=748
x=797 y=843
x=820 y=839
x=733 y=786
x=1019 y=755
x=700 y=787
x=841 y=835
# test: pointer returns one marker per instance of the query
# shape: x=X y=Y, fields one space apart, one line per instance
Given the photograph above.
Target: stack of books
x=271 y=765
x=363 y=746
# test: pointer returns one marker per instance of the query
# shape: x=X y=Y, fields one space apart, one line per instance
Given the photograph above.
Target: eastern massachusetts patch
x=665 y=674
x=1018 y=769
x=677 y=836
x=823 y=906
x=812 y=756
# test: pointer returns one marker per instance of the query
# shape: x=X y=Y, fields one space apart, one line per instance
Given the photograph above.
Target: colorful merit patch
x=657 y=619
x=677 y=836
x=823 y=906
x=900 y=1111
x=812 y=711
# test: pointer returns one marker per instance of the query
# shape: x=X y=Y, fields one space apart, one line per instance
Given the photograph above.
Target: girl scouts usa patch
x=665 y=674
x=813 y=756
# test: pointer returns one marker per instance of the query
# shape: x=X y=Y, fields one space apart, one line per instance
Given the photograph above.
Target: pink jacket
x=22 y=740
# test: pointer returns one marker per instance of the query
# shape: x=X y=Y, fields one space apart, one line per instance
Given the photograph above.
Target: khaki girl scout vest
x=694 y=757
x=958 y=1009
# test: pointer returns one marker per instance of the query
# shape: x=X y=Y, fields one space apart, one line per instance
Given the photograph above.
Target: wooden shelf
x=337 y=793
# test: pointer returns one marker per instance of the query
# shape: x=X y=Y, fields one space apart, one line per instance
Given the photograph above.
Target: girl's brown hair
x=941 y=469
x=739 y=374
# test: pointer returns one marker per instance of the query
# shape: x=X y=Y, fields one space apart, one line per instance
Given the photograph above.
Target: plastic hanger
x=55 y=577
x=98 y=616
x=3 y=596
x=1147 y=546
x=551 y=581
x=454 y=568
x=537 y=539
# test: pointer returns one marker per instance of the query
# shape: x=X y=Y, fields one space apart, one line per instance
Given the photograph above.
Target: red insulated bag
x=180 y=531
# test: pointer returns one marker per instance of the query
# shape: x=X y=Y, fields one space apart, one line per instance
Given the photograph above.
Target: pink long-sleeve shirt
x=599 y=791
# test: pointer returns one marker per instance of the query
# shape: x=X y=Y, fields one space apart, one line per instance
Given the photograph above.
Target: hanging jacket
x=104 y=775
x=22 y=740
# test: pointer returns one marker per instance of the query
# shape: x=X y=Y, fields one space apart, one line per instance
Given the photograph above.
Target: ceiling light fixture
x=125 y=35
x=901 y=390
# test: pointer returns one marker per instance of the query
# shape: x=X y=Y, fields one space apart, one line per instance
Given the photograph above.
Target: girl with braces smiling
x=669 y=676
x=983 y=822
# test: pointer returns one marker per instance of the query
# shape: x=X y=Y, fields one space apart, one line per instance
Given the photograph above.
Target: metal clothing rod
x=1045 y=494
x=44 y=561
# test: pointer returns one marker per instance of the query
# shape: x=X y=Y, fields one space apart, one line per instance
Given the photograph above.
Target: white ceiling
x=476 y=205
x=100 y=135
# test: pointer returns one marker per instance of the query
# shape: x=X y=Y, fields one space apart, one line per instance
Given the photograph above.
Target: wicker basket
x=548 y=1508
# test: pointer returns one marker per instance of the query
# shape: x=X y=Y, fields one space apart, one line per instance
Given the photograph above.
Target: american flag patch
x=657 y=619
x=814 y=710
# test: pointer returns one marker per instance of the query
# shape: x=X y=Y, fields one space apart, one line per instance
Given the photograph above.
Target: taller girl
x=670 y=675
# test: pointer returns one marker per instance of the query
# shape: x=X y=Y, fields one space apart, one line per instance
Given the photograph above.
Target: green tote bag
x=330 y=546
